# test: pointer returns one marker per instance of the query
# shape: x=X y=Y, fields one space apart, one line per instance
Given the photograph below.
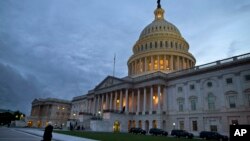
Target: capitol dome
x=160 y=27
x=160 y=47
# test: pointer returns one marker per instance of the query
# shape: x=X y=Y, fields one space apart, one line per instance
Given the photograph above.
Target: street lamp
x=174 y=125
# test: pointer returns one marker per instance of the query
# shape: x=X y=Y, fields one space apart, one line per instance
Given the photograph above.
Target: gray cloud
x=59 y=48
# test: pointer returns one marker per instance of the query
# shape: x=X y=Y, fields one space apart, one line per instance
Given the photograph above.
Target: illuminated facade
x=50 y=109
x=165 y=89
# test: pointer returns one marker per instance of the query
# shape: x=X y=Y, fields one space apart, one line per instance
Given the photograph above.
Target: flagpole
x=114 y=66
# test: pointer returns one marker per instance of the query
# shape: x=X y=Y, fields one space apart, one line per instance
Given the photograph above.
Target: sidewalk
x=56 y=136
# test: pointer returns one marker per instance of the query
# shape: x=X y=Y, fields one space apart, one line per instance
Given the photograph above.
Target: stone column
x=107 y=101
x=145 y=63
x=134 y=67
x=111 y=101
x=152 y=63
x=183 y=63
x=126 y=105
x=94 y=105
x=138 y=100
x=115 y=104
x=132 y=103
x=171 y=62
x=158 y=61
x=164 y=96
x=120 y=100
x=178 y=62
x=102 y=103
x=164 y=63
x=98 y=103
x=144 y=99
x=141 y=65
x=159 y=99
x=151 y=99
x=89 y=106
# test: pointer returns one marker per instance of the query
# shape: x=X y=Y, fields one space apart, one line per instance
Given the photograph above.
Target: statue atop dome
x=158 y=3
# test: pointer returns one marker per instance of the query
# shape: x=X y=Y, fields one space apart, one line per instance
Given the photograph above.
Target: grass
x=107 y=136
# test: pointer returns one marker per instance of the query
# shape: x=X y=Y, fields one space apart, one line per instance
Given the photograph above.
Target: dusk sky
x=63 y=48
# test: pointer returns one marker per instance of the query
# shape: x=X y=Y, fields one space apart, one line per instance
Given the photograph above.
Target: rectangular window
x=213 y=128
x=235 y=122
x=247 y=77
x=191 y=87
x=194 y=125
x=229 y=81
x=211 y=104
x=232 y=101
x=179 y=89
x=180 y=107
x=193 y=104
x=181 y=125
x=166 y=43
x=248 y=99
x=160 y=43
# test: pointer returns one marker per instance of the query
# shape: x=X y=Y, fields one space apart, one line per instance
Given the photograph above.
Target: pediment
x=109 y=81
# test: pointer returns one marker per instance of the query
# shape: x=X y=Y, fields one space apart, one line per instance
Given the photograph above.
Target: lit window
x=167 y=65
x=161 y=65
x=231 y=100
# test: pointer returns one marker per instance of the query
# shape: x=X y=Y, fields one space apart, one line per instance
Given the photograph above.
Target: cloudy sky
x=63 y=48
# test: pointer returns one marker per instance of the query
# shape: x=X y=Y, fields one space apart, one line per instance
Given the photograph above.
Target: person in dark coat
x=47 y=136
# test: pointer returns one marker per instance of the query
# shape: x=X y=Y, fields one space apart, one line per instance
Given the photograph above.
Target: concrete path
x=9 y=134
x=56 y=136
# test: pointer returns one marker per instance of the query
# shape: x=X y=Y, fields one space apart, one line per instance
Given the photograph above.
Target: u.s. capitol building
x=165 y=89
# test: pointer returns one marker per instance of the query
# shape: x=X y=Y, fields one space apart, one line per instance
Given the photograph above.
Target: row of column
x=159 y=62
x=131 y=100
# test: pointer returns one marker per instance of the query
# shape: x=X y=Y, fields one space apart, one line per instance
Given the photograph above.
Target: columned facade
x=164 y=89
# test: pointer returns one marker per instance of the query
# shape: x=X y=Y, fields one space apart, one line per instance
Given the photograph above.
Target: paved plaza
x=32 y=134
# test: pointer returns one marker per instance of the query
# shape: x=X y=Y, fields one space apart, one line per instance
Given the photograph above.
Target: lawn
x=103 y=136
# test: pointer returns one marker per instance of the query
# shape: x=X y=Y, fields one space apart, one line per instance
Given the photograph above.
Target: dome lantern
x=159 y=14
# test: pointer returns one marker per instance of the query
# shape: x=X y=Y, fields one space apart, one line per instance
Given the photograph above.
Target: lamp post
x=174 y=125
